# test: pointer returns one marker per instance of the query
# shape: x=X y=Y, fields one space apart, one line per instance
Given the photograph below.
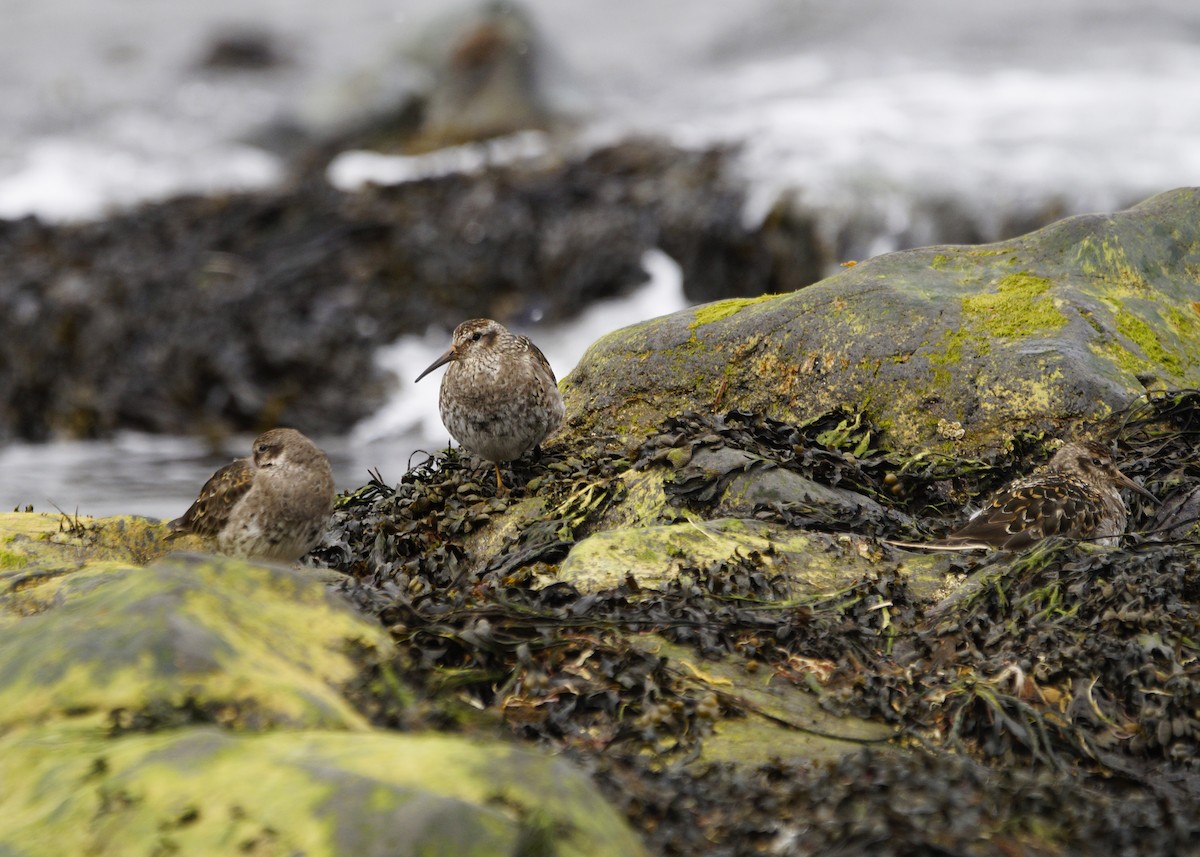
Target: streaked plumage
x=499 y=398
x=1077 y=494
x=273 y=505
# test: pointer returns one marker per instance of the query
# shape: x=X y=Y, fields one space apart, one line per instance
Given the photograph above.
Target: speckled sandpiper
x=273 y=505
x=499 y=398
x=1077 y=494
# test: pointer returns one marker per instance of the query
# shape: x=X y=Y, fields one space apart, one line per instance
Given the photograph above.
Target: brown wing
x=541 y=358
x=220 y=493
x=1030 y=512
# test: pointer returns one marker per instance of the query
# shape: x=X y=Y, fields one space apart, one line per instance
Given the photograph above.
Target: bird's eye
x=476 y=336
x=262 y=448
x=1099 y=462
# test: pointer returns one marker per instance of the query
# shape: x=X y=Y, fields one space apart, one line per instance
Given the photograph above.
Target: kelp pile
x=1050 y=704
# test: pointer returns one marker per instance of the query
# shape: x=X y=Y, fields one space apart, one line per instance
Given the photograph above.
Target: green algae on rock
x=49 y=543
x=204 y=791
x=1047 y=330
x=188 y=638
x=812 y=562
x=202 y=705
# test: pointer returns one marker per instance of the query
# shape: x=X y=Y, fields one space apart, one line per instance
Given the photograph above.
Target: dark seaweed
x=1051 y=705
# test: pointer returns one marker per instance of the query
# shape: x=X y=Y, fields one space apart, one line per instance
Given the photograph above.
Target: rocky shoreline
x=684 y=631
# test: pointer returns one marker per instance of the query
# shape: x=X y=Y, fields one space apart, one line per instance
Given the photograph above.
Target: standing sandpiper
x=1077 y=494
x=499 y=398
x=273 y=505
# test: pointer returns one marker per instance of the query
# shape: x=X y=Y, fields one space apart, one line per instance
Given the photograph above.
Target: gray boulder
x=947 y=348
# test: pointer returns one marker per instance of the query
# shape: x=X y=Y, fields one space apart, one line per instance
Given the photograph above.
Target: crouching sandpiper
x=1077 y=494
x=273 y=505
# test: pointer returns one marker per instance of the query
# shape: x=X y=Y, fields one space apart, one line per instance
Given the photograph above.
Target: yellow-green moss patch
x=1121 y=357
x=709 y=313
x=1020 y=306
x=266 y=646
x=1186 y=327
x=950 y=348
x=57 y=541
x=1136 y=330
x=1105 y=257
x=322 y=794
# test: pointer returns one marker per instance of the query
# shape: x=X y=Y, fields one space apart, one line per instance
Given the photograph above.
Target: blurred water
x=157 y=476
x=861 y=105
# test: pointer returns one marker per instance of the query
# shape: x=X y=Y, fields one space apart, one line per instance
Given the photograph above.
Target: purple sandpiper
x=1077 y=494
x=273 y=505
x=499 y=398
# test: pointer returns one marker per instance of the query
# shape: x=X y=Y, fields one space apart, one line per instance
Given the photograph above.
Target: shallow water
x=155 y=476
x=864 y=105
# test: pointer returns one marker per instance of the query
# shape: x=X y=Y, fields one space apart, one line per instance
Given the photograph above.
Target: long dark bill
x=1127 y=482
x=441 y=361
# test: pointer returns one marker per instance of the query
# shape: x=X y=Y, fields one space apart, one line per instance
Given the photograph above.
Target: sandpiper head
x=271 y=447
x=468 y=336
x=1094 y=461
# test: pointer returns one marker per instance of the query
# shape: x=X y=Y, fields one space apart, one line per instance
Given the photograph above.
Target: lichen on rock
x=200 y=705
x=1044 y=331
x=185 y=639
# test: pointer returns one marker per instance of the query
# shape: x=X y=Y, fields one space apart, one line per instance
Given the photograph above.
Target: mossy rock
x=781 y=718
x=1043 y=331
x=61 y=543
x=201 y=705
x=815 y=563
x=189 y=637
x=205 y=791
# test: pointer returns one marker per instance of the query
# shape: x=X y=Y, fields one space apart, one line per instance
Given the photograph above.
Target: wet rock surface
x=1042 y=702
x=249 y=311
x=758 y=670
